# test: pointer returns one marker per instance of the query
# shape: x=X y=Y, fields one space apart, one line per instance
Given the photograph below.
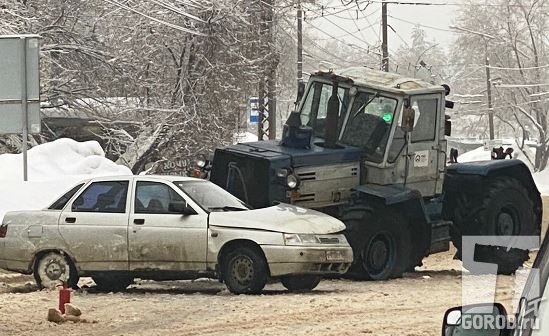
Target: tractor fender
x=474 y=178
x=408 y=202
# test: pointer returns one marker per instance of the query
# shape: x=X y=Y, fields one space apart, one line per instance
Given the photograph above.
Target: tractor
x=369 y=147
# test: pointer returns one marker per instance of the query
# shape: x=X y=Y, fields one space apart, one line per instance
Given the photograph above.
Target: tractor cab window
x=315 y=107
x=426 y=119
x=369 y=124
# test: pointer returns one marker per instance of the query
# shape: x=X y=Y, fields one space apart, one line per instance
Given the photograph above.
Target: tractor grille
x=325 y=185
x=309 y=176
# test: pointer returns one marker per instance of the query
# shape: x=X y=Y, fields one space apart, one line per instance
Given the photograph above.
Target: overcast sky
x=402 y=19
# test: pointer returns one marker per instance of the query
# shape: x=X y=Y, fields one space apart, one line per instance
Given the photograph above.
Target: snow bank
x=54 y=160
x=53 y=169
x=479 y=154
x=245 y=137
x=542 y=181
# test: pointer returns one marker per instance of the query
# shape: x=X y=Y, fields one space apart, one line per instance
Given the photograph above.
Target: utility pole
x=489 y=94
x=486 y=38
x=384 y=43
x=299 y=43
x=267 y=77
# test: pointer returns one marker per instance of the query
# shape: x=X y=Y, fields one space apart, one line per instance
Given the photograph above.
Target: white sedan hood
x=281 y=218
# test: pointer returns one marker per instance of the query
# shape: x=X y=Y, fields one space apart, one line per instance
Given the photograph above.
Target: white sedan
x=167 y=228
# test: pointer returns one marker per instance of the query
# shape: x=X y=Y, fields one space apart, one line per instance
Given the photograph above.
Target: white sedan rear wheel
x=52 y=270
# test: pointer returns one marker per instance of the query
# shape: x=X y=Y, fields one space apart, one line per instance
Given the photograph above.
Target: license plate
x=334 y=256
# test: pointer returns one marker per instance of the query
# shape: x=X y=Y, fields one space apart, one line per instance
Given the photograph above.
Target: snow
x=54 y=168
x=542 y=181
x=245 y=137
x=479 y=154
x=541 y=178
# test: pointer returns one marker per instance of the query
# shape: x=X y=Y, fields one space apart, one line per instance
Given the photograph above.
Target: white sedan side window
x=155 y=197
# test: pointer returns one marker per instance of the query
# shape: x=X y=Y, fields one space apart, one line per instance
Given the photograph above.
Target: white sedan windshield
x=210 y=197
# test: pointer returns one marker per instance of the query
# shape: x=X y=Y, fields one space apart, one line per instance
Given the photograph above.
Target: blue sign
x=253 y=103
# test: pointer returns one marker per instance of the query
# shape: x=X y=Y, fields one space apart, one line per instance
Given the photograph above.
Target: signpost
x=20 y=88
x=253 y=104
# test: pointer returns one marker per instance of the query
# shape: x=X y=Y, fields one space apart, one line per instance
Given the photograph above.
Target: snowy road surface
x=413 y=306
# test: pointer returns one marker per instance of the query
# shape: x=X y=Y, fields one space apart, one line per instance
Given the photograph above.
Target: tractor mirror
x=447 y=125
x=408 y=119
x=300 y=91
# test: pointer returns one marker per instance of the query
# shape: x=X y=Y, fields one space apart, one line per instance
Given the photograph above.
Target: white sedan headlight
x=300 y=239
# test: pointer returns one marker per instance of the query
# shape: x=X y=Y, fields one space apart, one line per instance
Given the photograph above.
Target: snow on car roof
x=159 y=177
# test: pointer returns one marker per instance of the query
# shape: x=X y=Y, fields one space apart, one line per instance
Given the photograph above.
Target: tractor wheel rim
x=507 y=223
x=242 y=270
x=380 y=253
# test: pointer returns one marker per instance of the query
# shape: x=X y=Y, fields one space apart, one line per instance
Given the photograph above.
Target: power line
x=520 y=69
x=356 y=25
x=505 y=106
x=328 y=52
x=168 y=24
x=319 y=15
x=328 y=34
x=425 y=26
x=177 y=10
x=506 y=86
x=345 y=30
x=415 y=3
x=347 y=34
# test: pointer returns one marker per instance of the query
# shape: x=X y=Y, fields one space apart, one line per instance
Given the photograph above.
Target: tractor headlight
x=201 y=163
x=300 y=239
x=292 y=181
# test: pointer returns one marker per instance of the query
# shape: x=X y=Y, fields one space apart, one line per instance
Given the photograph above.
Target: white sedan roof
x=155 y=177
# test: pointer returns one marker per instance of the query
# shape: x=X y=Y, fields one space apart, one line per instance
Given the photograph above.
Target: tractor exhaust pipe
x=332 y=116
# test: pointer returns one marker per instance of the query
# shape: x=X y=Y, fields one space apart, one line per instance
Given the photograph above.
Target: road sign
x=254 y=110
x=19 y=84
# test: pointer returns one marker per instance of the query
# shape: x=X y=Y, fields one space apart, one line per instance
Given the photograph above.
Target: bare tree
x=516 y=45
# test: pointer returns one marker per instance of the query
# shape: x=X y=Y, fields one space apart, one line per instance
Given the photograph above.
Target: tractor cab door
x=423 y=150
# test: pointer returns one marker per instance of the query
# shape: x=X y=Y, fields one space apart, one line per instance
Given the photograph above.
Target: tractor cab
x=352 y=127
x=398 y=124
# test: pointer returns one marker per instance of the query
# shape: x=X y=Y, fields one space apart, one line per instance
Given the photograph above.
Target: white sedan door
x=161 y=239
x=95 y=226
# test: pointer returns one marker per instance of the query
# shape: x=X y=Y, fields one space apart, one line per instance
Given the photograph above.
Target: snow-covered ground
x=245 y=137
x=53 y=168
x=542 y=181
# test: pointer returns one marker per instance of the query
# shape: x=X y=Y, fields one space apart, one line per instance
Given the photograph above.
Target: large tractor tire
x=300 y=283
x=381 y=243
x=504 y=209
x=112 y=283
